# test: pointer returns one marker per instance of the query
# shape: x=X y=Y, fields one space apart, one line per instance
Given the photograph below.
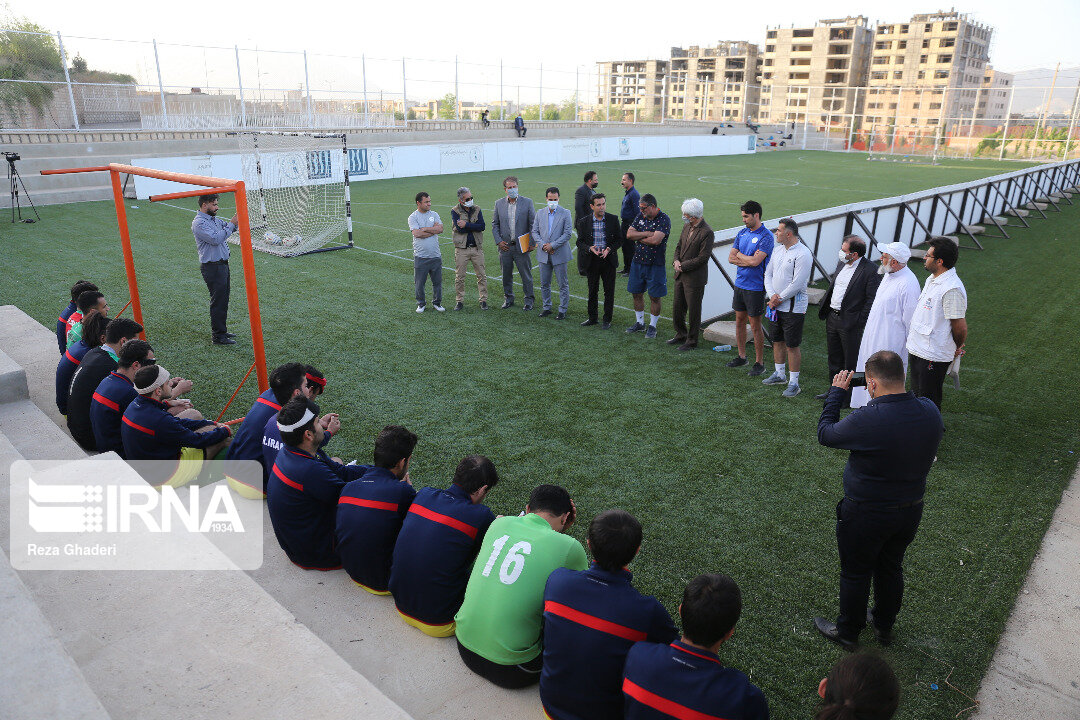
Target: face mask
x=552 y=204
x=468 y=203
x=843 y=256
x=512 y=192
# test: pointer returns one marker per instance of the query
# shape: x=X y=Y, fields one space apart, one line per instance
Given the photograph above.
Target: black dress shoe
x=587 y=323
x=821 y=396
x=828 y=629
x=675 y=341
x=459 y=306
x=684 y=347
x=545 y=313
x=223 y=340
x=885 y=637
x=228 y=335
x=560 y=316
x=508 y=304
x=606 y=326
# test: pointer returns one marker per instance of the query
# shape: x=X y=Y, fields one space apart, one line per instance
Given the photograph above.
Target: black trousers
x=511 y=677
x=596 y=273
x=216 y=275
x=843 y=347
x=627 y=245
x=872 y=541
x=927 y=377
x=687 y=301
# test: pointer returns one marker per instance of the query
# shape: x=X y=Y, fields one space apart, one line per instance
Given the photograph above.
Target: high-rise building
x=809 y=73
x=632 y=89
x=993 y=104
x=714 y=83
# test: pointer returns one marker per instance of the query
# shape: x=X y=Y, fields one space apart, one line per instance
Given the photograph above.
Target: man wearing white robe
x=890 y=315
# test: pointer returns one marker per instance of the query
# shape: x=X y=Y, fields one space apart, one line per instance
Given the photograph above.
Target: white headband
x=308 y=415
x=162 y=378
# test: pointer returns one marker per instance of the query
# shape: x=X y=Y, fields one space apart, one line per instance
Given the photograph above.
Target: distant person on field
x=591 y=619
x=93 y=330
x=468 y=224
x=628 y=212
x=437 y=546
x=890 y=316
x=150 y=432
x=372 y=508
x=426 y=225
x=484 y=118
x=786 y=279
x=750 y=252
x=212 y=239
x=88 y=300
x=686 y=678
x=305 y=484
x=582 y=208
x=500 y=621
x=512 y=218
x=938 y=327
x=648 y=270
x=551 y=231
x=859 y=687
x=691 y=265
x=63 y=324
x=519 y=126
x=598 y=242
x=95 y=366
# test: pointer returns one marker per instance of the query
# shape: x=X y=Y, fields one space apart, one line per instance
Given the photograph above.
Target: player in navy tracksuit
x=72 y=357
x=591 y=619
x=437 y=545
x=304 y=487
x=315 y=385
x=686 y=678
x=113 y=395
x=371 y=509
x=63 y=324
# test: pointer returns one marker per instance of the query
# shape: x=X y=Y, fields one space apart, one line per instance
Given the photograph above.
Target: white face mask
x=468 y=203
x=512 y=192
x=552 y=204
x=843 y=256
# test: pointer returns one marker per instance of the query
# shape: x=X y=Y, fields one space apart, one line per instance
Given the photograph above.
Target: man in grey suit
x=551 y=231
x=513 y=218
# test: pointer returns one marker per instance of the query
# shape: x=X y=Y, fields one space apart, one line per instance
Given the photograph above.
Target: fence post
x=363 y=75
x=1072 y=122
x=851 y=128
x=240 y=84
x=404 y=92
x=577 y=100
x=1005 y=130
x=502 y=105
x=67 y=79
x=161 y=88
x=307 y=86
x=541 y=117
x=457 y=96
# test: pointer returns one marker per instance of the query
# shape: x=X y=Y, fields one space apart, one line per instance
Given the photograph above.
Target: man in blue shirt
x=437 y=545
x=212 y=238
x=750 y=253
x=686 y=678
x=648 y=271
x=591 y=619
x=893 y=441
x=627 y=213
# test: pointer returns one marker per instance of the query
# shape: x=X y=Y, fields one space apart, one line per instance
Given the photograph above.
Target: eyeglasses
x=466 y=199
x=148 y=361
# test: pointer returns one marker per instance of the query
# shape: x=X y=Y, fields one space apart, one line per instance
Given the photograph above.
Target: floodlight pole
x=457 y=97
x=67 y=79
x=363 y=75
x=161 y=87
x=502 y=104
x=576 y=103
x=1005 y=130
x=404 y=92
x=307 y=86
x=240 y=84
x=541 y=117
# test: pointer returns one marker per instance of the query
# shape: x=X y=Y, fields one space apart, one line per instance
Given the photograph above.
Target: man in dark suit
x=847 y=305
x=691 y=265
x=582 y=208
x=599 y=253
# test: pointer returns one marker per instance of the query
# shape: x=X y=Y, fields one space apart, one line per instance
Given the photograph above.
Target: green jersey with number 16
x=504 y=602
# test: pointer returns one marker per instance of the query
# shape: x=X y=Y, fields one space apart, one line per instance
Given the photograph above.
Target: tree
x=448 y=107
x=28 y=57
x=78 y=64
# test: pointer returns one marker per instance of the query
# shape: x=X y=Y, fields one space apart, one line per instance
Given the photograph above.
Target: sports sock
x=653 y=319
x=794 y=377
x=640 y=316
x=781 y=369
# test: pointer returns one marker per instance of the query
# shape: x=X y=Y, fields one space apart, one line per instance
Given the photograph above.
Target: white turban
x=898 y=251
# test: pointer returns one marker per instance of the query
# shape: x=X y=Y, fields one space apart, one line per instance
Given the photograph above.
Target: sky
x=567 y=38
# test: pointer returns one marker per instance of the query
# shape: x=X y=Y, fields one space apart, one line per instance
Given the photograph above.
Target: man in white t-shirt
x=786 y=278
x=938 y=327
x=427 y=257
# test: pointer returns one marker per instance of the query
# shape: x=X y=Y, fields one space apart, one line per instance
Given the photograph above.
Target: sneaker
x=527 y=308
x=561 y=316
x=776 y=378
x=545 y=313
x=459 y=306
x=737 y=362
x=508 y=304
x=419 y=308
x=757 y=369
x=606 y=326
x=483 y=305
x=636 y=327
x=650 y=332
x=792 y=390
x=440 y=308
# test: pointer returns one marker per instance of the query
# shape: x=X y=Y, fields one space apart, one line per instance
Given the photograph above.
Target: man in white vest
x=938 y=328
x=890 y=315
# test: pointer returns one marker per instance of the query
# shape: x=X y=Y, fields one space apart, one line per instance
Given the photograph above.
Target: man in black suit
x=600 y=255
x=582 y=208
x=847 y=305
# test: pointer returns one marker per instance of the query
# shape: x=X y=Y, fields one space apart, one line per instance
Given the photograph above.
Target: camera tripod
x=15 y=182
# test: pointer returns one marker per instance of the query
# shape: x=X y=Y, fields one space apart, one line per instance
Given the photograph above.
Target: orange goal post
x=206 y=185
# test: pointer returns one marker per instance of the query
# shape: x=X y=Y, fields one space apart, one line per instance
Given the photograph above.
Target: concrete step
x=1018 y=212
x=59 y=196
x=816 y=295
x=33 y=347
x=975 y=229
x=1036 y=206
x=990 y=221
x=12 y=380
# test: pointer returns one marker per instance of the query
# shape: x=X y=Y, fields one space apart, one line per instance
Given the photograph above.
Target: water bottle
x=722 y=348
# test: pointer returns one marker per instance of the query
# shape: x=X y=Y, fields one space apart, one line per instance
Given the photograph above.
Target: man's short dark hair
x=886 y=367
x=550 y=498
x=552 y=189
x=510 y=178
x=291 y=412
x=946 y=251
x=421 y=195
x=88 y=300
x=134 y=351
x=791 y=225
x=208 y=198
x=145 y=376
x=710 y=608
x=751 y=207
x=392 y=445
x=474 y=472
x=860 y=685
x=855 y=244
x=648 y=200
x=120 y=328
x=589 y=175
x=597 y=196
x=285 y=380
x=315 y=379
x=614 y=538
x=630 y=176
x=93 y=328
x=79 y=288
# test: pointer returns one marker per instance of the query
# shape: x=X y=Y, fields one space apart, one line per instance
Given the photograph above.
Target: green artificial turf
x=726 y=475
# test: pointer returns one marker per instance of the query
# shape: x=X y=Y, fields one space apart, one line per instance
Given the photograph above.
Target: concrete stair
x=1036 y=206
x=722 y=332
x=1018 y=212
x=816 y=295
x=975 y=229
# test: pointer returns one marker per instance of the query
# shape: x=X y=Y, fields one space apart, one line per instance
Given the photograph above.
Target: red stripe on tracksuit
x=443 y=519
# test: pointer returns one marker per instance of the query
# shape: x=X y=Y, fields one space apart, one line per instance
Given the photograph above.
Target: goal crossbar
x=217 y=185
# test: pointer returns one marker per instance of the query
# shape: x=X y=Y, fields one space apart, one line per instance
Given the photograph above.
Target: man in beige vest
x=468 y=224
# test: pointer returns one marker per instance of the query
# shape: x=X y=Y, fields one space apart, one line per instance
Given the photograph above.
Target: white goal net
x=297 y=191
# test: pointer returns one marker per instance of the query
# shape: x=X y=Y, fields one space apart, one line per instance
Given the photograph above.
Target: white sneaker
x=419 y=308
x=792 y=390
x=777 y=378
x=440 y=308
